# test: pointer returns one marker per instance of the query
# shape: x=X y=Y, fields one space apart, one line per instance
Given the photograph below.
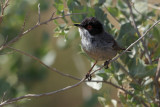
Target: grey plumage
x=97 y=43
x=97 y=47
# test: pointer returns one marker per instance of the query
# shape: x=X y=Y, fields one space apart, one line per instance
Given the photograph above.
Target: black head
x=92 y=25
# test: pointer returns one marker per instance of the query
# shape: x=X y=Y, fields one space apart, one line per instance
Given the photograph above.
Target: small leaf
x=126 y=33
x=137 y=87
x=113 y=11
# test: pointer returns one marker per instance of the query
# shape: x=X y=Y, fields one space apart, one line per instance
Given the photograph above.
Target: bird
x=96 y=42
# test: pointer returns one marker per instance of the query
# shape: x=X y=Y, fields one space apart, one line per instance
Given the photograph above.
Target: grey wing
x=111 y=41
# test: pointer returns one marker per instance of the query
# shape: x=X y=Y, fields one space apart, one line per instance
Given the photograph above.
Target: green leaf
x=137 y=87
x=126 y=33
x=156 y=32
x=104 y=76
x=140 y=70
x=122 y=5
x=113 y=11
x=59 y=8
x=122 y=98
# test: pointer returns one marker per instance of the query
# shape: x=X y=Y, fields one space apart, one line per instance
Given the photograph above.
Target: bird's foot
x=106 y=64
x=89 y=76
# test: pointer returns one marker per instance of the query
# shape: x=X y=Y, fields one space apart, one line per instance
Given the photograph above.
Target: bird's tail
x=123 y=49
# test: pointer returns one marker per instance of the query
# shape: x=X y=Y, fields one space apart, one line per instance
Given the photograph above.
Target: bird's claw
x=89 y=76
x=106 y=64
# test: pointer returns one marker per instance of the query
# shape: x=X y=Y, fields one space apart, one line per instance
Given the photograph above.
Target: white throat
x=84 y=33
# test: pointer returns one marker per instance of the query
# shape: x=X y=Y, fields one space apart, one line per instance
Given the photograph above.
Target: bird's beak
x=78 y=25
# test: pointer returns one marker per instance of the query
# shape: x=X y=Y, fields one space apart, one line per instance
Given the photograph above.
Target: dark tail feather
x=125 y=49
x=117 y=47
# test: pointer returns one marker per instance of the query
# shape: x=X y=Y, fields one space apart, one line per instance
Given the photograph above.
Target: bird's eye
x=89 y=27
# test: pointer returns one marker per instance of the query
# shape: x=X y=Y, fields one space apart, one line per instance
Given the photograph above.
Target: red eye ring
x=89 y=27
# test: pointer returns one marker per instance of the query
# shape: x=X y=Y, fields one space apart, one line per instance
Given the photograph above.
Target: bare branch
x=3 y=7
x=40 y=95
x=136 y=41
x=135 y=27
x=34 y=27
x=126 y=91
x=4 y=94
x=39 y=14
x=53 y=69
x=115 y=58
x=5 y=41
x=17 y=37
x=52 y=16
x=48 y=67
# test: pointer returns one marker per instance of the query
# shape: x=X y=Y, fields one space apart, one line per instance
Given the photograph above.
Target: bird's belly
x=98 y=52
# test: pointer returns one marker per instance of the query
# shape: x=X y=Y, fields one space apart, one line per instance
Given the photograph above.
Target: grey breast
x=97 y=47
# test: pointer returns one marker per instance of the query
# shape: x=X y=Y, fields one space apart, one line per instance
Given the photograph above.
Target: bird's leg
x=106 y=64
x=88 y=75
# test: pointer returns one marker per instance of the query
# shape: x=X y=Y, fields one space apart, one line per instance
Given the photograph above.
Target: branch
x=16 y=38
x=115 y=58
x=135 y=27
x=40 y=95
x=48 y=67
x=3 y=7
x=127 y=92
x=82 y=80
x=39 y=14
x=135 y=41
x=35 y=58
x=34 y=27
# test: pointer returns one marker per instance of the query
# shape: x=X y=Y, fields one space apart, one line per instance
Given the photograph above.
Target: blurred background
x=57 y=44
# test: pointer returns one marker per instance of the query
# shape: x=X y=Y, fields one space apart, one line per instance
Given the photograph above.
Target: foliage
x=132 y=71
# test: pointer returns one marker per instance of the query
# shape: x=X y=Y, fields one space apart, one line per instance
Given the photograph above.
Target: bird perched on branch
x=96 y=42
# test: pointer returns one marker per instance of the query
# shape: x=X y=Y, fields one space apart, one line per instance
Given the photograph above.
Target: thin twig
x=48 y=67
x=40 y=95
x=3 y=97
x=39 y=14
x=5 y=41
x=135 y=27
x=63 y=89
x=97 y=69
x=135 y=41
x=35 y=26
x=115 y=58
x=17 y=37
x=51 y=93
x=127 y=92
x=3 y=7
x=52 y=15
